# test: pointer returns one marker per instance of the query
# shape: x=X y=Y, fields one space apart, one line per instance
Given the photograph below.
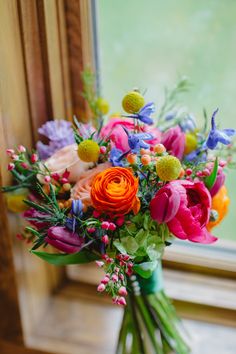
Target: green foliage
x=81 y=257
x=145 y=269
x=210 y=180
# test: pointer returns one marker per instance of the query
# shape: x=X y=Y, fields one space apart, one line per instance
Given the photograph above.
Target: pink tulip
x=174 y=141
x=165 y=204
x=189 y=222
x=219 y=182
x=63 y=239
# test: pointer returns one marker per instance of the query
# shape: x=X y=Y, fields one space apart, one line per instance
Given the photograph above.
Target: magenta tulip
x=174 y=141
x=165 y=204
x=64 y=240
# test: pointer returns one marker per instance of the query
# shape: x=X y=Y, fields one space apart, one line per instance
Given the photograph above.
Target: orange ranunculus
x=115 y=190
x=220 y=203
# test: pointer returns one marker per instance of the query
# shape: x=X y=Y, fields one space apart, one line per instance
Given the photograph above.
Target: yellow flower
x=15 y=200
x=88 y=151
x=133 y=102
x=190 y=143
x=102 y=105
x=168 y=168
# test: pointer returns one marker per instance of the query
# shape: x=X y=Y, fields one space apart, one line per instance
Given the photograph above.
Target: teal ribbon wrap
x=152 y=285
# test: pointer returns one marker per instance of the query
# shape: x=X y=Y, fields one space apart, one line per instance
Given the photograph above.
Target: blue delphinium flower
x=218 y=136
x=136 y=141
x=188 y=123
x=116 y=156
x=197 y=156
x=144 y=114
x=59 y=133
x=76 y=211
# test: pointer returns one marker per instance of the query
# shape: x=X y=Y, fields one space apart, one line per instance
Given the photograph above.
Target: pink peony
x=174 y=141
x=82 y=188
x=114 y=130
x=67 y=158
x=186 y=210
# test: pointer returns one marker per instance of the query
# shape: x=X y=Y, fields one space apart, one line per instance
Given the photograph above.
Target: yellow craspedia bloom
x=133 y=102
x=15 y=200
x=102 y=105
x=220 y=203
x=88 y=151
x=168 y=168
x=190 y=143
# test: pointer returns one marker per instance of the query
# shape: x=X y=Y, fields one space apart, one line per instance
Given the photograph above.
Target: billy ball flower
x=115 y=190
x=133 y=102
x=168 y=168
x=102 y=105
x=88 y=151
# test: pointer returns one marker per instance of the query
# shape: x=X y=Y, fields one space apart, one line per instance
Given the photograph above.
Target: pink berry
x=116 y=270
x=105 y=239
x=115 y=299
x=64 y=180
x=47 y=179
x=10 y=152
x=34 y=158
x=222 y=163
x=96 y=214
x=103 y=149
x=24 y=165
x=114 y=278
x=101 y=287
x=91 y=230
x=55 y=176
x=100 y=263
x=206 y=172
x=15 y=157
x=121 y=276
x=105 y=280
x=20 y=237
x=121 y=301
x=111 y=226
x=122 y=291
x=21 y=148
x=10 y=166
x=120 y=221
x=105 y=225
x=189 y=171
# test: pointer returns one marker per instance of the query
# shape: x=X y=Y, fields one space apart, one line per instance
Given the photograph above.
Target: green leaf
x=145 y=269
x=129 y=244
x=141 y=237
x=154 y=252
x=64 y=259
x=120 y=247
x=210 y=180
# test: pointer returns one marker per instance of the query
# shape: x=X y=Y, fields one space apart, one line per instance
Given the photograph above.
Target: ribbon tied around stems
x=148 y=286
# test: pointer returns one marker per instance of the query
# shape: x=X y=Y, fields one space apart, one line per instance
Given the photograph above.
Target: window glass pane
x=148 y=44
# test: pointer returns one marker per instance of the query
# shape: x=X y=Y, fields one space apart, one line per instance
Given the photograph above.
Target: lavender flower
x=59 y=133
x=144 y=114
x=218 y=136
x=76 y=211
x=136 y=141
x=116 y=156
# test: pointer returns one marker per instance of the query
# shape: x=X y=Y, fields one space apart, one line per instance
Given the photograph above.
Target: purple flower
x=174 y=141
x=144 y=114
x=218 y=136
x=116 y=156
x=136 y=141
x=188 y=124
x=76 y=211
x=64 y=240
x=197 y=156
x=59 y=133
x=34 y=216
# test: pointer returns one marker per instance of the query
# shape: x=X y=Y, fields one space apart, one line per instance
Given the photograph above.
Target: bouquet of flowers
x=118 y=192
